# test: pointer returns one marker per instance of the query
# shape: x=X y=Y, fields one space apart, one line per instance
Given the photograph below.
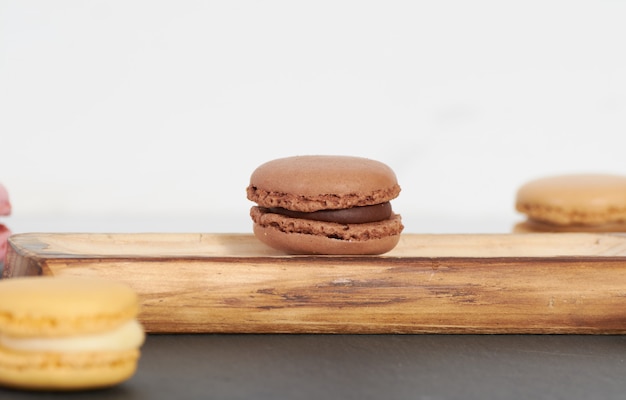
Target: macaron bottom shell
x=47 y=371
x=532 y=226
x=303 y=243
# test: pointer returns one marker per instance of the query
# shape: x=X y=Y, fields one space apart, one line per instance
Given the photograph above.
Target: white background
x=151 y=115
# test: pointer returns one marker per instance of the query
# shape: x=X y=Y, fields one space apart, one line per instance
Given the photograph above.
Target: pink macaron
x=5 y=209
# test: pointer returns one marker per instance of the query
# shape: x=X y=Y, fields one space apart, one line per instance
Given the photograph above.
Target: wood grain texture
x=531 y=283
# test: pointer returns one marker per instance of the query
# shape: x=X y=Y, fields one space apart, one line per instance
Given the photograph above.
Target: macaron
x=5 y=210
x=5 y=204
x=325 y=204
x=573 y=203
x=67 y=333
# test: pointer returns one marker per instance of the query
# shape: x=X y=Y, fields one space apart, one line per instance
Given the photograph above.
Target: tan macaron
x=573 y=203
x=67 y=333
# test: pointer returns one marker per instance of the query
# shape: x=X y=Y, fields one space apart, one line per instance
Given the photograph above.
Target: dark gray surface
x=371 y=367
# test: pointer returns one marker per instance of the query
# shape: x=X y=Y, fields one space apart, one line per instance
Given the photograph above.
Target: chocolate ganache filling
x=354 y=215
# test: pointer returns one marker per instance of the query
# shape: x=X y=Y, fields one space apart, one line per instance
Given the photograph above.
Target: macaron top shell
x=586 y=199
x=322 y=182
x=63 y=306
x=5 y=204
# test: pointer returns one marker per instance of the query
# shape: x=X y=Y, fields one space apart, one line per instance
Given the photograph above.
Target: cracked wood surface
x=486 y=283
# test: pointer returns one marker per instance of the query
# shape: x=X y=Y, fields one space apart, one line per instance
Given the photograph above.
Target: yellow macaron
x=573 y=203
x=67 y=333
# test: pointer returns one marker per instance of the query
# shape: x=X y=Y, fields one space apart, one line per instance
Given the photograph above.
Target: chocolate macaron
x=573 y=203
x=323 y=204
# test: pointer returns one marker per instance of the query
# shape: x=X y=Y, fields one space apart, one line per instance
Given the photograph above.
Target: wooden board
x=530 y=283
